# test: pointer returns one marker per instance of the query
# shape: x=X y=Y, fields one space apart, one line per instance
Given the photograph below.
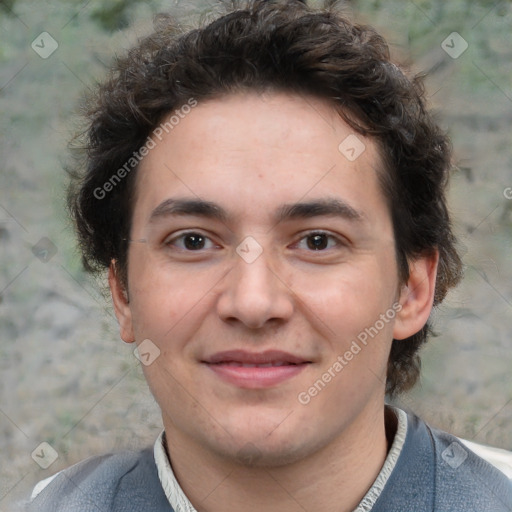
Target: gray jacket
x=434 y=472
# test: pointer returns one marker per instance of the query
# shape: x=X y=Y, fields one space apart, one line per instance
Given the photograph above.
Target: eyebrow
x=328 y=207
x=197 y=207
x=319 y=208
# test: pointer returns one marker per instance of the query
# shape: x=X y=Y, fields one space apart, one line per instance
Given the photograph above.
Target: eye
x=190 y=241
x=318 y=241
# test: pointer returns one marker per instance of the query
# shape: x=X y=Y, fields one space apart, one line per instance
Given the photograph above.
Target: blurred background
x=66 y=378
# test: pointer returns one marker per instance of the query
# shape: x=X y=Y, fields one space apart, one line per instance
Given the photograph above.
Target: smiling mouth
x=258 y=365
x=265 y=358
x=255 y=370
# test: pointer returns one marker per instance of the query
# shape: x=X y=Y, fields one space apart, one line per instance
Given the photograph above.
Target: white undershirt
x=180 y=503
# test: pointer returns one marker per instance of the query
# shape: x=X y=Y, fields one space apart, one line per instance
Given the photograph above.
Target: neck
x=333 y=479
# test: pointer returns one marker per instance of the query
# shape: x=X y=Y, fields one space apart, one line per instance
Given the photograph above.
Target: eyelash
x=338 y=241
x=170 y=242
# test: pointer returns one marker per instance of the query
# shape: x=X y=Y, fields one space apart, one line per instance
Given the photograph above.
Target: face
x=261 y=256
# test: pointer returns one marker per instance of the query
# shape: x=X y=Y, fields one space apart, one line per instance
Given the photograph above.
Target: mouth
x=255 y=365
x=252 y=370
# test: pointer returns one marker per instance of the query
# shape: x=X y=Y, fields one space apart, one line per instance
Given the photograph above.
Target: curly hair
x=260 y=45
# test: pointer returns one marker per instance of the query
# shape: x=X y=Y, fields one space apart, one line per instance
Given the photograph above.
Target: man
x=267 y=193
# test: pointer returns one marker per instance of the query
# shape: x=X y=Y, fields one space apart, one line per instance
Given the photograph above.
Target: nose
x=254 y=293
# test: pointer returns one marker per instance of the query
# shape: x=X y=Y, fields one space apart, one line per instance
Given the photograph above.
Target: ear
x=417 y=296
x=121 y=304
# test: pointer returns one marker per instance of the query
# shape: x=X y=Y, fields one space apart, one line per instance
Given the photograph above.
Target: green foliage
x=7 y=6
x=417 y=28
x=113 y=15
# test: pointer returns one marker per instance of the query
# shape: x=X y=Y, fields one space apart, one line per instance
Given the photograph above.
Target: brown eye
x=317 y=241
x=190 y=241
x=193 y=242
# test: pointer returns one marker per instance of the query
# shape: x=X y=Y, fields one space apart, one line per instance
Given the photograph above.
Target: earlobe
x=417 y=296
x=121 y=304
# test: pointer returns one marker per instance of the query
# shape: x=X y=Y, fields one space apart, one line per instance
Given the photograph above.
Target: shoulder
x=499 y=458
x=461 y=479
x=462 y=474
x=436 y=471
x=125 y=481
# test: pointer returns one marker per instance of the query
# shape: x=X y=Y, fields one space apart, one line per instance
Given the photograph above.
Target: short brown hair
x=273 y=45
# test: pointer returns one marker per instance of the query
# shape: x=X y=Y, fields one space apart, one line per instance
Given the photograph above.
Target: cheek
x=161 y=297
x=348 y=298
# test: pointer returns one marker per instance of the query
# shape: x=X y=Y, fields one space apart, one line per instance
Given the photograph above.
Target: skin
x=235 y=447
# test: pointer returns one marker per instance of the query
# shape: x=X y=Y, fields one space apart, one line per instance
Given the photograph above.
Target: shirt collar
x=180 y=503
x=177 y=499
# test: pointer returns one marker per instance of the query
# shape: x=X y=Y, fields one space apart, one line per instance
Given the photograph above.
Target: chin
x=267 y=444
x=253 y=455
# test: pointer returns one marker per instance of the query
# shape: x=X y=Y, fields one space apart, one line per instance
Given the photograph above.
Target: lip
x=253 y=370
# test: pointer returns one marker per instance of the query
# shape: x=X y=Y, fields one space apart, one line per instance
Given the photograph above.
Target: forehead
x=258 y=151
